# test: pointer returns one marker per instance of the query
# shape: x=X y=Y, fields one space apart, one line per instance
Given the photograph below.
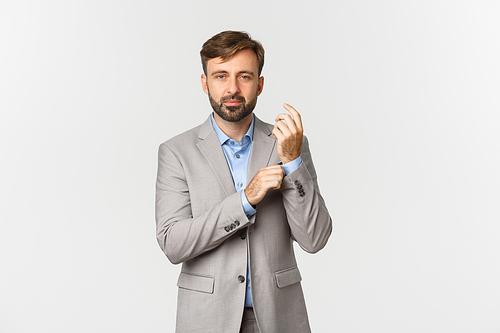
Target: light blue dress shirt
x=238 y=156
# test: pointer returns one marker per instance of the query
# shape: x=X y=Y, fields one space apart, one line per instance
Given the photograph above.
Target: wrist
x=288 y=159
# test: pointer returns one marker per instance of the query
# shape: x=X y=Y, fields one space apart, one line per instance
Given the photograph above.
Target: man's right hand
x=268 y=178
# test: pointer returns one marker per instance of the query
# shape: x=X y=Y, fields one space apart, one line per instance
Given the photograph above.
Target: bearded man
x=232 y=194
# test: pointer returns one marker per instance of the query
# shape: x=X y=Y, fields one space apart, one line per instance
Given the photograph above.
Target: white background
x=400 y=101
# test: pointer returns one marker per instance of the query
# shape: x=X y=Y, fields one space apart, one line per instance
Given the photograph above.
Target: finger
x=296 y=115
x=283 y=173
x=276 y=169
x=272 y=178
x=283 y=128
x=277 y=187
x=275 y=183
x=278 y=134
x=288 y=121
x=272 y=183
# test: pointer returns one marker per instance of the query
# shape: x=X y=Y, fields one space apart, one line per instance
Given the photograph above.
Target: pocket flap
x=288 y=277
x=195 y=282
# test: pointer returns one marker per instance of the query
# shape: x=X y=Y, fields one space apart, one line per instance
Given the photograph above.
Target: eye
x=245 y=77
x=220 y=77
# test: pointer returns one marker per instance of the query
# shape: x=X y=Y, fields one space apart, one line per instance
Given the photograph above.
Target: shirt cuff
x=291 y=166
x=249 y=210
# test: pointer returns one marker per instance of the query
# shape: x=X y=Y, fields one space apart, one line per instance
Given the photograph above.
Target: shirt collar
x=223 y=138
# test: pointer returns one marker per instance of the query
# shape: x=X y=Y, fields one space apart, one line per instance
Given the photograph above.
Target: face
x=233 y=86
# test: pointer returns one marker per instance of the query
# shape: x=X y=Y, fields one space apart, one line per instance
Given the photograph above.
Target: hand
x=268 y=178
x=289 y=133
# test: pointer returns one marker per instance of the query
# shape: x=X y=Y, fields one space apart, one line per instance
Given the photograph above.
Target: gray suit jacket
x=201 y=223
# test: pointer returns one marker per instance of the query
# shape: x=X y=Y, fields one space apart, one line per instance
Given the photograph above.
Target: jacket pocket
x=287 y=277
x=202 y=284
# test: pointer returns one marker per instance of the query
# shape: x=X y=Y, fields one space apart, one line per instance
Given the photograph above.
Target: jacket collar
x=262 y=147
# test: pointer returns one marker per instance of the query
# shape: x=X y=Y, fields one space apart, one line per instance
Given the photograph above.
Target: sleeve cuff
x=292 y=166
x=249 y=210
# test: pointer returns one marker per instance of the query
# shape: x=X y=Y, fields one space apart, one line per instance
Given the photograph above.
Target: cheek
x=214 y=89
x=250 y=89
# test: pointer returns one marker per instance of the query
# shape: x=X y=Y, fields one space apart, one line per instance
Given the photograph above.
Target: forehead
x=245 y=59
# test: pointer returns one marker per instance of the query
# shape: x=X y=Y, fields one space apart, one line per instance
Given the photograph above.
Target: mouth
x=232 y=102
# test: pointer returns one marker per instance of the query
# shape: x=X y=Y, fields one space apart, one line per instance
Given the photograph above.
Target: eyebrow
x=226 y=72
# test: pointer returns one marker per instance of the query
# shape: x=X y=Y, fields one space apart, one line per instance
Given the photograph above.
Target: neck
x=234 y=130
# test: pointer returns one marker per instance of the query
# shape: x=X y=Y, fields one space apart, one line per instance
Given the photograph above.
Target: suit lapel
x=210 y=147
x=262 y=148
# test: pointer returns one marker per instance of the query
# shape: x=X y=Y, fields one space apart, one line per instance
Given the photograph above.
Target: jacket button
x=241 y=279
x=296 y=182
x=243 y=235
x=237 y=223
x=226 y=228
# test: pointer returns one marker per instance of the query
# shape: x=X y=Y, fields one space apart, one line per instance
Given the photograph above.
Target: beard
x=233 y=113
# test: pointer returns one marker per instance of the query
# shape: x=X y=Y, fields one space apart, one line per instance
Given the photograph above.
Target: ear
x=204 y=83
x=260 y=86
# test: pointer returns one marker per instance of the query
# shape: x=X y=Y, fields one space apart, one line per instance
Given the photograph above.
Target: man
x=232 y=195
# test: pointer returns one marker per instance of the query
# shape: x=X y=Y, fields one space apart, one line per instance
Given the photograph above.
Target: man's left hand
x=289 y=133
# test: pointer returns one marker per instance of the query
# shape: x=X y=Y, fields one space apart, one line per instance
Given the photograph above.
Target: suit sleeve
x=180 y=235
x=308 y=218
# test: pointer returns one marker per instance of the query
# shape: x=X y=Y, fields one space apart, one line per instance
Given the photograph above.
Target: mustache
x=232 y=97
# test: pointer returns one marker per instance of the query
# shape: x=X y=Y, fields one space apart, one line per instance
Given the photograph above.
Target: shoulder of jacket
x=184 y=138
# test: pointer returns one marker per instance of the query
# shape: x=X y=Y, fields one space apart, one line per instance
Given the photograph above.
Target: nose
x=233 y=86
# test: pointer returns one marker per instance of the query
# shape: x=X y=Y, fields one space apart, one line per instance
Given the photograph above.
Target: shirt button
x=240 y=184
x=237 y=155
x=231 y=142
x=241 y=279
